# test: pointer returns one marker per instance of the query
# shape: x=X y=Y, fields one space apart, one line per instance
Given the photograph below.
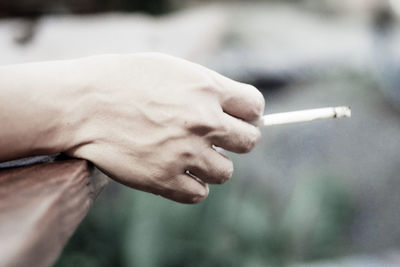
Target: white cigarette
x=305 y=115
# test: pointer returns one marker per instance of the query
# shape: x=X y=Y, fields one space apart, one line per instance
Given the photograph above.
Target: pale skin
x=146 y=120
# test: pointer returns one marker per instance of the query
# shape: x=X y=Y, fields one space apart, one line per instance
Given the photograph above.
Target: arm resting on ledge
x=149 y=121
x=40 y=207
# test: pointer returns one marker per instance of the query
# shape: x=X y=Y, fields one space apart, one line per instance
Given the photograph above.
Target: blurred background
x=318 y=194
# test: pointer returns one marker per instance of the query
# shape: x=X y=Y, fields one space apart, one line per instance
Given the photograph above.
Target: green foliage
x=235 y=226
x=97 y=241
x=223 y=231
x=318 y=218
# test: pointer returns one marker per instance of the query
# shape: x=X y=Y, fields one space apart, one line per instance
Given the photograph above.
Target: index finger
x=240 y=100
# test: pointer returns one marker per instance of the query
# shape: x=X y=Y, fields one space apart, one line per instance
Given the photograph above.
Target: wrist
x=75 y=101
x=39 y=109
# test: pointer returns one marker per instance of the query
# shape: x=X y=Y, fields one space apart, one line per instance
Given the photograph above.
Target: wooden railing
x=40 y=207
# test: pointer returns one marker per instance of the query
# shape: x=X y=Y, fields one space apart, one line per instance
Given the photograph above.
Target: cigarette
x=305 y=115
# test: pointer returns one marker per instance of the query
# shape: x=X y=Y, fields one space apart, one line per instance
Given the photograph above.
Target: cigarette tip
x=342 y=112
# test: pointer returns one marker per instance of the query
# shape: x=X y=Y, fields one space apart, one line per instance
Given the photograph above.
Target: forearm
x=149 y=121
x=36 y=109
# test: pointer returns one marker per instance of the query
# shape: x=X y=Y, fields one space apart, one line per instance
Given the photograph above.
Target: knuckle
x=187 y=154
x=254 y=138
x=258 y=105
x=198 y=196
x=203 y=123
x=226 y=173
x=259 y=102
x=185 y=195
x=251 y=141
x=246 y=148
x=201 y=129
x=209 y=85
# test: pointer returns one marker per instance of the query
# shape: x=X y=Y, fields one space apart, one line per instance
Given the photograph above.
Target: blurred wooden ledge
x=41 y=205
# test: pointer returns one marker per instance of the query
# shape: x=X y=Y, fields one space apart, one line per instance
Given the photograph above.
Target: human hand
x=150 y=118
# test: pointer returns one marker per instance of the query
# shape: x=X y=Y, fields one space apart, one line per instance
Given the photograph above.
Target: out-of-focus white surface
x=273 y=38
x=283 y=38
x=190 y=34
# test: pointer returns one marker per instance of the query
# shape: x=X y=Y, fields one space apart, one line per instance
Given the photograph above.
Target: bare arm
x=144 y=119
x=36 y=108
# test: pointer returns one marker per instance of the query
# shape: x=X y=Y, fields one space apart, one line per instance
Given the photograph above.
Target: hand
x=150 y=119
